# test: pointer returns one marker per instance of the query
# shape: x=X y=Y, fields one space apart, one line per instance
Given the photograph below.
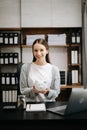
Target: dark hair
x=44 y=43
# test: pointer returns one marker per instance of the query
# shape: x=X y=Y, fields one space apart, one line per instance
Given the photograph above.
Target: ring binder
x=1 y=58
x=15 y=57
x=11 y=38
x=11 y=58
x=1 y=38
x=6 y=58
x=6 y=37
x=16 y=37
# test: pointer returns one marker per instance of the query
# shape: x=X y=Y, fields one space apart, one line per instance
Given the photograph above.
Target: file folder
x=1 y=38
x=6 y=38
x=11 y=38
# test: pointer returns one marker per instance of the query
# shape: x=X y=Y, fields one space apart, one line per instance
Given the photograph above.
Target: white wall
x=38 y=13
x=52 y=13
x=10 y=13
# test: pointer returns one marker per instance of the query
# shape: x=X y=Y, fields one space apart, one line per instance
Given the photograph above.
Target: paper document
x=36 y=107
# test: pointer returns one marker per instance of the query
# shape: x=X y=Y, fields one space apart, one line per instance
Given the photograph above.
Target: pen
x=29 y=106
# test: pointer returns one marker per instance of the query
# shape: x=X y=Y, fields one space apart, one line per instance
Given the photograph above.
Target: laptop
x=77 y=103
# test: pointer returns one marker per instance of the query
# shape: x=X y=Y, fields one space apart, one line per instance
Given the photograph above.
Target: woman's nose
x=38 y=53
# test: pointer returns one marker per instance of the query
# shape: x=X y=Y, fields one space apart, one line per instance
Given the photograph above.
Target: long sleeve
x=23 y=80
x=24 y=86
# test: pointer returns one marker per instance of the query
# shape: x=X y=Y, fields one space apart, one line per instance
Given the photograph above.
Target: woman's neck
x=40 y=62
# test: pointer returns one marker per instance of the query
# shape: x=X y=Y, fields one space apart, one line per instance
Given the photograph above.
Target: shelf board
x=74 y=65
x=75 y=45
x=29 y=46
x=10 y=29
x=13 y=46
x=9 y=87
x=9 y=64
x=71 y=86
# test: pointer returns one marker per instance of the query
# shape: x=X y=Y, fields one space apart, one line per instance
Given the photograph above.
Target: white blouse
x=47 y=73
x=41 y=74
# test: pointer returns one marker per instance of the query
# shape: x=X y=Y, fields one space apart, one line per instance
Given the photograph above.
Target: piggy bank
x=40 y=85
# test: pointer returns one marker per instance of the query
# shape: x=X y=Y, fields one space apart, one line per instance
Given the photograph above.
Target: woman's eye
x=41 y=50
x=35 y=50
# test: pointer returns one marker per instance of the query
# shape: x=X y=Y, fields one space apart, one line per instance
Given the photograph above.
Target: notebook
x=36 y=107
x=77 y=103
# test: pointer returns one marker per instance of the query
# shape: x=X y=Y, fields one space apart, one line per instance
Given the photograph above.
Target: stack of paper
x=31 y=38
x=36 y=107
x=57 y=39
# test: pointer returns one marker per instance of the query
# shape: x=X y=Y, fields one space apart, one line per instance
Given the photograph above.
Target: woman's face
x=40 y=51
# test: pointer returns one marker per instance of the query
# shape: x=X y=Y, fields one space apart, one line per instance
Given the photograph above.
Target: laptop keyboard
x=58 y=108
x=61 y=108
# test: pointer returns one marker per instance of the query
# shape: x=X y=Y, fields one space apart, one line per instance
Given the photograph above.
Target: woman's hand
x=46 y=91
x=35 y=90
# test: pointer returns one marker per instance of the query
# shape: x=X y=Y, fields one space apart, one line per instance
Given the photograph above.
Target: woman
x=40 y=80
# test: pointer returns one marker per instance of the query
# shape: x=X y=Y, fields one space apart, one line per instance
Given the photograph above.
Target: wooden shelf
x=13 y=46
x=72 y=86
x=10 y=29
x=75 y=45
x=29 y=46
x=67 y=45
x=73 y=65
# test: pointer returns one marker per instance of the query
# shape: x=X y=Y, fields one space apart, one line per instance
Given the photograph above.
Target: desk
x=25 y=120
x=16 y=114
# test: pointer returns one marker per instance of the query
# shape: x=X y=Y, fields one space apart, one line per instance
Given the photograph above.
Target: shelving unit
x=8 y=69
x=75 y=57
x=73 y=42
x=10 y=38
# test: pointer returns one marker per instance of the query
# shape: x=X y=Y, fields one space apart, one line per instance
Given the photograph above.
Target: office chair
x=18 y=75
